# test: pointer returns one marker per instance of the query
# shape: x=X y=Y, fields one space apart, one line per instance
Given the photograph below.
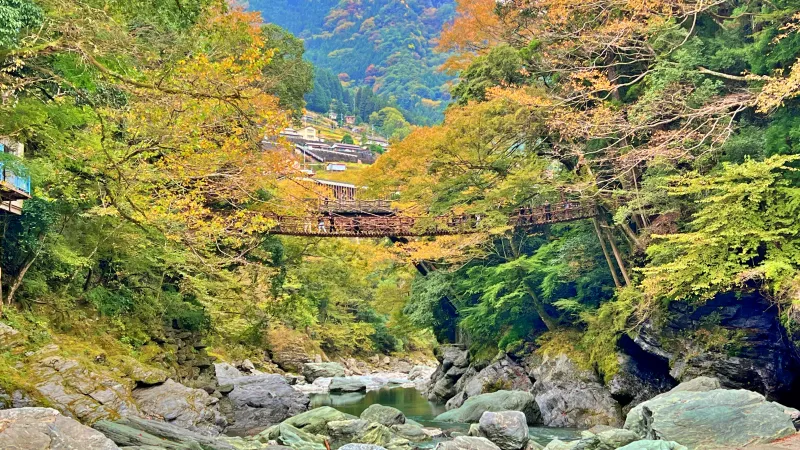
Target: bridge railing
x=397 y=225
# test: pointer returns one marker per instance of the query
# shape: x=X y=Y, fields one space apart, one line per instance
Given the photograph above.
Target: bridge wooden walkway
x=332 y=221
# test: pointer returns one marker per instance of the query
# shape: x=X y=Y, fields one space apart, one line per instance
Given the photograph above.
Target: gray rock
x=699 y=384
x=226 y=373
x=347 y=430
x=315 y=421
x=473 y=408
x=507 y=429
x=755 y=353
x=129 y=437
x=653 y=445
x=312 y=371
x=558 y=444
x=412 y=432
x=640 y=375
x=420 y=373
x=467 y=443
x=615 y=438
x=474 y=430
x=502 y=374
x=568 y=396
x=453 y=362
x=183 y=406
x=347 y=384
x=361 y=447
x=47 y=429
x=76 y=390
x=285 y=434
x=259 y=401
x=713 y=419
x=384 y=415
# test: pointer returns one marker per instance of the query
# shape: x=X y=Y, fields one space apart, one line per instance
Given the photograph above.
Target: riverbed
x=416 y=407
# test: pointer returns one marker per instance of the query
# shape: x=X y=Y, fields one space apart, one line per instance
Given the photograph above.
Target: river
x=418 y=408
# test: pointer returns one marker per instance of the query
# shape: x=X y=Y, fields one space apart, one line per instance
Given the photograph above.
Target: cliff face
x=739 y=340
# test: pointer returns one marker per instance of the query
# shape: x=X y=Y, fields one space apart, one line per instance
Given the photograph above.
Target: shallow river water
x=418 y=408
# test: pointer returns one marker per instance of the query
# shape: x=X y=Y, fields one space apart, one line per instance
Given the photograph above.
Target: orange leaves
x=475 y=29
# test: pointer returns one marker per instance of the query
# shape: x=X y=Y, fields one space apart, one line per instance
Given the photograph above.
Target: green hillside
x=385 y=45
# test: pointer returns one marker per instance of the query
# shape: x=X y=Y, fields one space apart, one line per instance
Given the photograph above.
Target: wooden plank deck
x=367 y=225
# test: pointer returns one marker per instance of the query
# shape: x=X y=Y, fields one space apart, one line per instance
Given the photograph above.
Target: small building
x=350 y=120
x=14 y=187
x=309 y=134
x=332 y=115
x=290 y=133
x=377 y=140
x=347 y=148
x=336 y=167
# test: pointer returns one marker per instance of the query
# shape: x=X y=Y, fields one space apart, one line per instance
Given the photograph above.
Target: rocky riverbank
x=695 y=415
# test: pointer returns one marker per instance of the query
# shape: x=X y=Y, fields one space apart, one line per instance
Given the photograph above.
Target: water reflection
x=418 y=408
x=408 y=400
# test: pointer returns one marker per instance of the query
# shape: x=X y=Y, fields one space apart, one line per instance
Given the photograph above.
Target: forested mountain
x=385 y=45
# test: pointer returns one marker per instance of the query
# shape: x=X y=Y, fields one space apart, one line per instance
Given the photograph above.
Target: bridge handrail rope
x=367 y=224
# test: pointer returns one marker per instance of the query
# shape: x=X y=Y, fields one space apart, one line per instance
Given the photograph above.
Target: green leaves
x=16 y=16
x=744 y=234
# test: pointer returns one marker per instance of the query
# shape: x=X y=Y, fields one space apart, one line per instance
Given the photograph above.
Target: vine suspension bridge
x=377 y=218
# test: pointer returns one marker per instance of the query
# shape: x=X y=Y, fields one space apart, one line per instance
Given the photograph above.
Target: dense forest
x=386 y=46
x=682 y=129
x=152 y=195
x=603 y=204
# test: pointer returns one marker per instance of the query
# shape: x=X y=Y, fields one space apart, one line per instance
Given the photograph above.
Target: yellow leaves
x=778 y=89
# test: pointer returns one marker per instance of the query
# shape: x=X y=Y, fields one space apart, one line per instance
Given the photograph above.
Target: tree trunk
x=635 y=239
x=548 y=320
x=605 y=253
x=618 y=257
x=18 y=280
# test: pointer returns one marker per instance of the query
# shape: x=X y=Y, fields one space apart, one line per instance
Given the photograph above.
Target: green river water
x=418 y=408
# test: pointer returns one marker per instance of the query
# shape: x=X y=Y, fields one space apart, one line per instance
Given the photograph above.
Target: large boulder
x=84 y=392
x=137 y=432
x=297 y=439
x=473 y=408
x=347 y=384
x=47 y=429
x=569 y=396
x=507 y=429
x=363 y=432
x=384 y=415
x=714 y=419
x=316 y=420
x=262 y=400
x=502 y=374
x=738 y=339
x=226 y=373
x=467 y=443
x=312 y=371
x=192 y=409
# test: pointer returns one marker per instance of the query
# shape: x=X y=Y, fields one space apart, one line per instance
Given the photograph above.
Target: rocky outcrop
x=502 y=374
x=506 y=429
x=315 y=421
x=259 y=401
x=312 y=371
x=640 y=376
x=711 y=419
x=45 y=429
x=739 y=340
x=569 y=396
x=85 y=394
x=187 y=357
x=182 y=406
x=473 y=408
x=453 y=363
